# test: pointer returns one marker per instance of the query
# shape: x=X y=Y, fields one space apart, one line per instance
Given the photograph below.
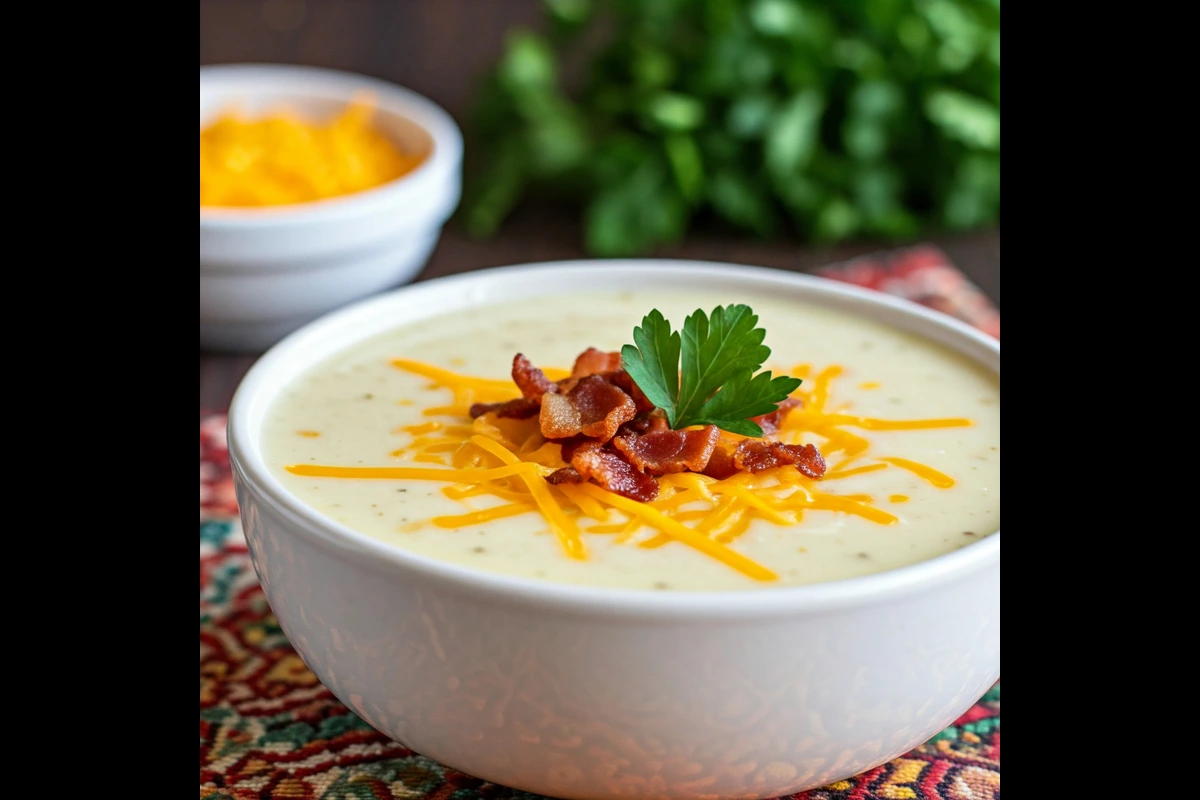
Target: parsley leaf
x=654 y=362
x=714 y=352
x=742 y=398
x=717 y=384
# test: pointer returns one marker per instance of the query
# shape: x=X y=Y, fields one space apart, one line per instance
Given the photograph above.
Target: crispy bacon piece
x=603 y=407
x=670 y=451
x=595 y=408
x=559 y=418
x=609 y=469
x=521 y=408
x=651 y=422
x=570 y=446
x=774 y=421
x=479 y=409
x=613 y=435
x=595 y=362
x=757 y=455
x=657 y=423
x=564 y=475
x=720 y=463
x=621 y=378
x=617 y=377
x=532 y=382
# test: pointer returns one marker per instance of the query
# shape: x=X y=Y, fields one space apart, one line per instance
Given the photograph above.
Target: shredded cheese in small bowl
x=284 y=159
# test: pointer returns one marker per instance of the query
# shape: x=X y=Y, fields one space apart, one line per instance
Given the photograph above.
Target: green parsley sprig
x=716 y=384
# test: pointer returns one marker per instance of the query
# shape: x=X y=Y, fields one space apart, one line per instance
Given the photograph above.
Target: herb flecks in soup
x=378 y=466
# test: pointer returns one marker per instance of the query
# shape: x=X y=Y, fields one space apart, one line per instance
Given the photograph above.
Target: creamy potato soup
x=379 y=438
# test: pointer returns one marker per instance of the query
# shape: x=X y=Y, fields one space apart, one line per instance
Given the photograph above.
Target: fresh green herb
x=716 y=384
x=825 y=121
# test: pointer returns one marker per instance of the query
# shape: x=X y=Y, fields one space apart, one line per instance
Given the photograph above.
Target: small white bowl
x=266 y=271
x=581 y=692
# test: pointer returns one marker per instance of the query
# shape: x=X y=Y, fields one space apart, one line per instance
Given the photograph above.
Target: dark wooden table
x=420 y=44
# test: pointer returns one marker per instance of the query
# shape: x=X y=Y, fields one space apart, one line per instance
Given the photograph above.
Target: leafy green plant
x=717 y=384
x=878 y=118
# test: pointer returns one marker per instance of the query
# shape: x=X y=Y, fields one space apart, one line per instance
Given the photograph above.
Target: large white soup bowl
x=592 y=693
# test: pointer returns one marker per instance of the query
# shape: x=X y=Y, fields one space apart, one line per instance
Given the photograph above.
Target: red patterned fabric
x=269 y=729
x=923 y=275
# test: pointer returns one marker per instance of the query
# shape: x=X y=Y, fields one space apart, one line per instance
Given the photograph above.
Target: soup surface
x=898 y=490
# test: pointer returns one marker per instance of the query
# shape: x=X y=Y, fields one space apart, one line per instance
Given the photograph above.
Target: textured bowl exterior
x=266 y=271
x=588 y=693
x=251 y=310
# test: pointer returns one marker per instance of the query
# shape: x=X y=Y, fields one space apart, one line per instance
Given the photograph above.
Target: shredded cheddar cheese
x=508 y=460
x=283 y=159
x=938 y=479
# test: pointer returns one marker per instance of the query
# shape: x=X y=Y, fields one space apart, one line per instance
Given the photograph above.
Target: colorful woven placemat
x=269 y=729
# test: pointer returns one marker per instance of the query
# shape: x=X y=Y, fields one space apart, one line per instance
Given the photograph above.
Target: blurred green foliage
x=851 y=118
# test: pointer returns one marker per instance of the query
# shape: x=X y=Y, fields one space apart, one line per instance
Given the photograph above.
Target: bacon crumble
x=594 y=408
x=595 y=362
x=609 y=469
x=622 y=379
x=532 y=382
x=664 y=452
x=651 y=422
x=558 y=417
x=521 y=408
x=608 y=366
x=603 y=407
x=770 y=423
x=613 y=435
x=569 y=446
x=720 y=464
x=756 y=455
x=564 y=475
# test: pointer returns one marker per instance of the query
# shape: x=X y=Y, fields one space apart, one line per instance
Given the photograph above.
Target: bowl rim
x=444 y=157
x=250 y=468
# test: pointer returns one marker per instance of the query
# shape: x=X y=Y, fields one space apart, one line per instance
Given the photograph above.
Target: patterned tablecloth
x=269 y=729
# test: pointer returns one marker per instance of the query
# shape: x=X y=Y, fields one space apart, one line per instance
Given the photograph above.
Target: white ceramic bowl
x=266 y=271
x=594 y=693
